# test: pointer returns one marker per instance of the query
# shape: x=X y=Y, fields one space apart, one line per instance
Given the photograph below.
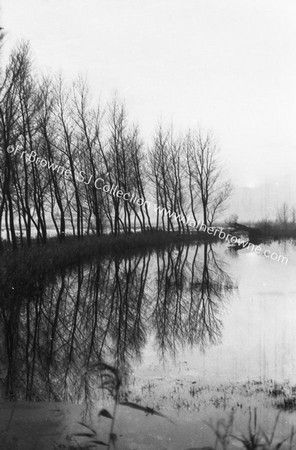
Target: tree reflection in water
x=189 y=297
x=53 y=339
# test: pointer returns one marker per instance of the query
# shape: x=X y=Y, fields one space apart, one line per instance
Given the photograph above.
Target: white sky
x=228 y=65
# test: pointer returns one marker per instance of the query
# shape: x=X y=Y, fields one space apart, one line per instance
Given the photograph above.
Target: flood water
x=194 y=332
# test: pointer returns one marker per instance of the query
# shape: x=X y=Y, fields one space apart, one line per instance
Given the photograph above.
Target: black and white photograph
x=147 y=224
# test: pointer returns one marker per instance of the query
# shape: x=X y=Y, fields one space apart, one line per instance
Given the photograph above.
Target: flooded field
x=166 y=343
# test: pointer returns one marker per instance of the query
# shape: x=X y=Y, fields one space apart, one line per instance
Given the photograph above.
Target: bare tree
x=88 y=121
x=205 y=176
x=282 y=215
x=16 y=71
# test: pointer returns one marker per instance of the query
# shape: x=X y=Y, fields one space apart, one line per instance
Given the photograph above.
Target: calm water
x=192 y=316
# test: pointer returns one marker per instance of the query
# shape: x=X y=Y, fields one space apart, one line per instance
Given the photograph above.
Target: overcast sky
x=227 y=65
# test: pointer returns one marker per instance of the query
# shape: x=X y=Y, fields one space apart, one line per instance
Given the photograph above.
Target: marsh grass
x=255 y=438
x=87 y=437
x=225 y=437
x=286 y=404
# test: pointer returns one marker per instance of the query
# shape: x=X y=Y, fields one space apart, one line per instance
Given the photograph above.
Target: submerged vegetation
x=226 y=436
x=255 y=438
x=286 y=404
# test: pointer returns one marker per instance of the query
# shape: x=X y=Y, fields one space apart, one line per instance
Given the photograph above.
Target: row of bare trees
x=70 y=135
x=186 y=175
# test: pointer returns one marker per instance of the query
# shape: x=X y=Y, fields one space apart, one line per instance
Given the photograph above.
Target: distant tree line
x=64 y=127
x=286 y=215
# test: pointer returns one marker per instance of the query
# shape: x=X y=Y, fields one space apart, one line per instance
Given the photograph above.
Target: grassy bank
x=20 y=269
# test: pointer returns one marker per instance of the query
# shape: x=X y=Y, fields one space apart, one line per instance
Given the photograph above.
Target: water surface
x=193 y=331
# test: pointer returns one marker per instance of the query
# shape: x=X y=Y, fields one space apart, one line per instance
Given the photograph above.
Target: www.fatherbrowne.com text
x=114 y=190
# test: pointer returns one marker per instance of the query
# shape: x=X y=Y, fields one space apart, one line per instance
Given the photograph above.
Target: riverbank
x=20 y=269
